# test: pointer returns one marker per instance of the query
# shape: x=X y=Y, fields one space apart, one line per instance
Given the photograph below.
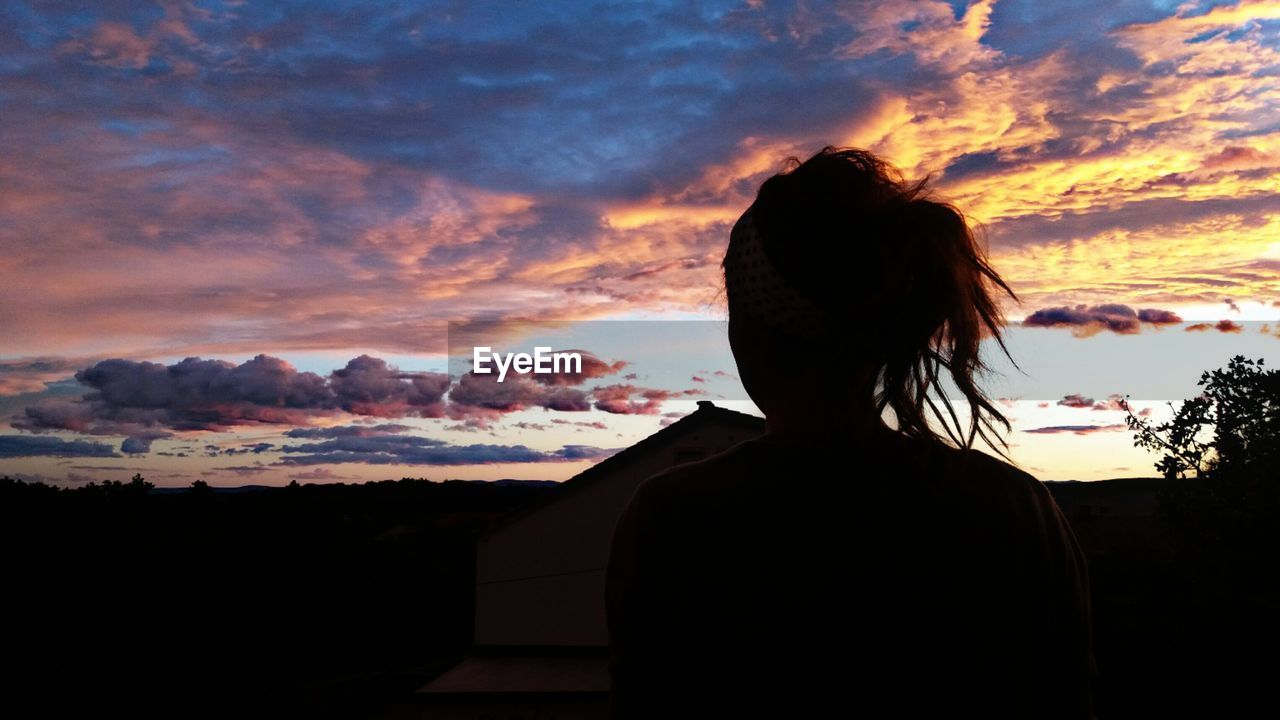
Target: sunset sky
x=233 y=235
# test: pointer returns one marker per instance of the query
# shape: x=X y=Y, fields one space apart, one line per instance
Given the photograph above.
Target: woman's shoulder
x=977 y=468
x=972 y=479
x=1002 y=485
x=682 y=491
x=985 y=466
x=711 y=475
x=1011 y=477
x=970 y=474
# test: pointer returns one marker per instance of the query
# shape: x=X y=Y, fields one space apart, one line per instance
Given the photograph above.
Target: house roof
x=546 y=672
x=707 y=412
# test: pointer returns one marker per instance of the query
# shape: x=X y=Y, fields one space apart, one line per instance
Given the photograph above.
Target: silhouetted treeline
x=312 y=600
x=1195 y=619
x=340 y=600
x=1183 y=628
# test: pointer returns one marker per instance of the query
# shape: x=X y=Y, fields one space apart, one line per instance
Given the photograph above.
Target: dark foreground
x=341 y=600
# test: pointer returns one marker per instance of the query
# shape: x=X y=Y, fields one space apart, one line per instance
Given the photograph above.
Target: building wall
x=540 y=580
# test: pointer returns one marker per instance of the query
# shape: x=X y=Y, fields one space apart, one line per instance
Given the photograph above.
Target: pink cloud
x=623 y=399
x=1086 y=320
x=1224 y=326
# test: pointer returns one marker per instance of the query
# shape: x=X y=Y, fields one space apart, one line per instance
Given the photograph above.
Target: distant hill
x=510 y=482
x=1117 y=496
x=237 y=489
x=220 y=490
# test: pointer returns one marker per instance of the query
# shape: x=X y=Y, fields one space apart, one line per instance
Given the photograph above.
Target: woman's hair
x=897 y=276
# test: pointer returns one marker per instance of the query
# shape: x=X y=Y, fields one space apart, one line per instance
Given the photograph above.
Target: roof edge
x=707 y=410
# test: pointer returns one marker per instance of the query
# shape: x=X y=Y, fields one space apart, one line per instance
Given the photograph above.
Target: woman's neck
x=797 y=418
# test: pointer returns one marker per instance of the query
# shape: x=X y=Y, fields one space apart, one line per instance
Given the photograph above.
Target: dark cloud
x=346 y=431
x=584 y=452
x=417 y=450
x=141 y=442
x=1090 y=319
x=191 y=387
x=1031 y=28
x=1228 y=326
x=145 y=401
x=369 y=386
x=1223 y=326
x=14 y=446
x=245 y=470
x=247 y=449
x=483 y=394
x=1075 y=400
x=1158 y=317
x=59 y=414
x=1077 y=429
x=136 y=398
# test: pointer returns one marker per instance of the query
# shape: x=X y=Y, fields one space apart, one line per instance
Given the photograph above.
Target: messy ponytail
x=899 y=278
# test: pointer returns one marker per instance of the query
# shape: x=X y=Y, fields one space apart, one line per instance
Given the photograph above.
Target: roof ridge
x=706 y=410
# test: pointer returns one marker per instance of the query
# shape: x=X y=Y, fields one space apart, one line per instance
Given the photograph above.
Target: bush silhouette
x=1225 y=445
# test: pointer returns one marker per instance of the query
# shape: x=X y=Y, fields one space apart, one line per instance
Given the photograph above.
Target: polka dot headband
x=756 y=287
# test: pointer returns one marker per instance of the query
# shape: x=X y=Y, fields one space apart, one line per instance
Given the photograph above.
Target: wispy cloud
x=1076 y=429
x=417 y=450
x=15 y=446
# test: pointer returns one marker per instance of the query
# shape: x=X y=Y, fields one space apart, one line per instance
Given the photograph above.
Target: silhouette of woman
x=837 y=566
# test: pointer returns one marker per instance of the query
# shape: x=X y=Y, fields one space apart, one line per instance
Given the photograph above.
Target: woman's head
x=841 y=267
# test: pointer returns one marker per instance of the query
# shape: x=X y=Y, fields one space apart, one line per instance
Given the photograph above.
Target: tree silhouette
x=139 y=484
x=1226 y=439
